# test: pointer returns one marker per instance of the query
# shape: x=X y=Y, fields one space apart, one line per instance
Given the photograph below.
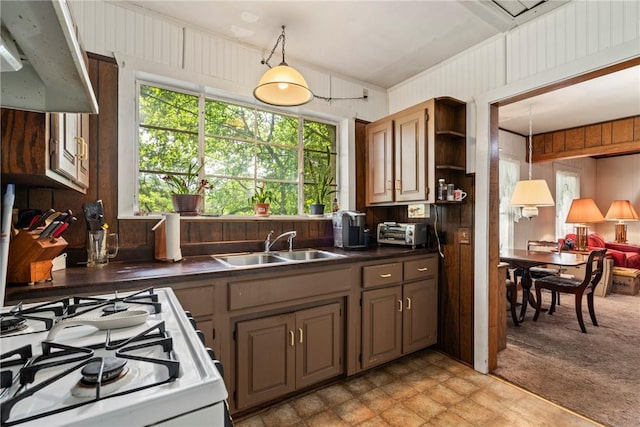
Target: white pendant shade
x=532 y=193
x=283 y=86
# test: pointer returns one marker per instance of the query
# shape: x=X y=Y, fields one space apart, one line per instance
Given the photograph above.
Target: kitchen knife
x=48 y=231
x=58 y=231
x=41 y=219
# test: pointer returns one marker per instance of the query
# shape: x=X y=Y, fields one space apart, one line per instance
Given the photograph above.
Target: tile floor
x=423 y=389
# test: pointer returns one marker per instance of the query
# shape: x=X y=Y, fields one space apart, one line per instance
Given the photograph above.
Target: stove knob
x=191 y=319
x=200 y=335
x=219 y=367
x=212 y=354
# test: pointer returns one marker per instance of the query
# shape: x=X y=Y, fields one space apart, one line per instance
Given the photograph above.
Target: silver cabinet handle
x=423 y=269
x=399 y=305
x=388 y=186
x=300 y=330
x=408 y=303
x=293 y=338
x=385 y=275
x=398 y=184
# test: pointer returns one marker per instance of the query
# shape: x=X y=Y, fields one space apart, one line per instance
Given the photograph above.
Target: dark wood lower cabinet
x=402 y=318
x=381 y=325
x=283 y=353
x=420 y=315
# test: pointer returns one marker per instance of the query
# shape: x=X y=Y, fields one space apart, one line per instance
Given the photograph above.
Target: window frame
x=562 y=208
x=202 y=99
x=511 y=214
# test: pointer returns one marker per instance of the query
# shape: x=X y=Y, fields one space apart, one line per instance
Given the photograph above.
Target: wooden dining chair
x=574 y=286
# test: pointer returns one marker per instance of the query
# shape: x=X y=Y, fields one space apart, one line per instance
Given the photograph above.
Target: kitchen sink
x=307 y=255
x=252 y=259
x=247 y=259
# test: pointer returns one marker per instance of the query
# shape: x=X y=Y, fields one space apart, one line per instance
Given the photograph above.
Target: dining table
x=524 y=259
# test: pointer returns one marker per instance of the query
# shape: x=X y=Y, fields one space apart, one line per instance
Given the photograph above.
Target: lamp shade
x=621 y=210
x=583 y=211
x=533 y=192
x=283 y=86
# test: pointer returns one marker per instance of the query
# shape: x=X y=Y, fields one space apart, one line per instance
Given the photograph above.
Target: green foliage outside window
x=240 y=148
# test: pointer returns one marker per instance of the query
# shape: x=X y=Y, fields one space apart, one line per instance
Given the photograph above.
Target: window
x=567 y=189
x=509 y=173
x=240 y=147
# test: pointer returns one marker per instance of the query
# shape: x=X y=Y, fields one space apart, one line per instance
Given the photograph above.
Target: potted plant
x=320 y=174
x=261 y=199
x=187 y=190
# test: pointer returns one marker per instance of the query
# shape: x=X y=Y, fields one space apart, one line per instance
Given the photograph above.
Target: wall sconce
x=583 y=211
x=532 y=193
x=284 y=86
x=621 y=211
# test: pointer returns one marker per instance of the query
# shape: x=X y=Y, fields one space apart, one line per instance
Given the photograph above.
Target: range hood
x=53 y=76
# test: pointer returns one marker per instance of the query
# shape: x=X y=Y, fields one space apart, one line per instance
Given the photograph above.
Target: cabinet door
x=69 y=147
x=410 y=157
x=420 y=315
x=265 y=355
x=381 y=325
x=380 y=162
x=319 y=344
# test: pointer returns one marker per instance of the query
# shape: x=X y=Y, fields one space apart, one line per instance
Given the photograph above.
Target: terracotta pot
x=186 y=204
x=261 y=209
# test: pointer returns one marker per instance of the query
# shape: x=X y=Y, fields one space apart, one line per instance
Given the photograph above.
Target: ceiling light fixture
x=284 y=86
x=621 y=211
x=532 y=193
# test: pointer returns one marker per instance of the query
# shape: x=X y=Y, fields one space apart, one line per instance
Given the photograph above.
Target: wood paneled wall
x=613 y=137
x=456 y=274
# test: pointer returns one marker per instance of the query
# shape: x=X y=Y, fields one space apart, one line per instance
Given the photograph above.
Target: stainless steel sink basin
x=246 y=259
x=307 y=255
x=253 y=259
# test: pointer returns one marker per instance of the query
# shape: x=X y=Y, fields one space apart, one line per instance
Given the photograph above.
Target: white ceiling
x=387 y=42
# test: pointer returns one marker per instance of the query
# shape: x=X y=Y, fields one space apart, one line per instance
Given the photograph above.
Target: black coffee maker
x=348 y=230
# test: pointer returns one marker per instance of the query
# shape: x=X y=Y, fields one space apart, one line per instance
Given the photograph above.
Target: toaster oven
x=407 y=234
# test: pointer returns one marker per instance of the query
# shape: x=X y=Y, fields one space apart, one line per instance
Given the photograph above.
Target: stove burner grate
x=12 y=324
x=58 y=354
x=145 y=297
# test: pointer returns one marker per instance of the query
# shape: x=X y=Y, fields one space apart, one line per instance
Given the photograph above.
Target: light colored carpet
x=596 y=374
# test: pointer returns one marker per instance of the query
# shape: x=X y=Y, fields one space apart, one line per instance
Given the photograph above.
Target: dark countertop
x=122 y=276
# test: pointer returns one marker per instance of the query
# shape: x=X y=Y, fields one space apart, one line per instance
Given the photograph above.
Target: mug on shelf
x=459 y=195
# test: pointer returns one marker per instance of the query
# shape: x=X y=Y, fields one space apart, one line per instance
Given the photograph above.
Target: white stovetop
x=198 y=384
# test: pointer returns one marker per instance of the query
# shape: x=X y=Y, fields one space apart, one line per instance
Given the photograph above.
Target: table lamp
x=583 y=211
x=621 y=211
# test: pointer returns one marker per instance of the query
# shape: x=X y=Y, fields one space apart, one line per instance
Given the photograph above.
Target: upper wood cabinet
x=396 y=158
x=408 y=150
x=45 y=149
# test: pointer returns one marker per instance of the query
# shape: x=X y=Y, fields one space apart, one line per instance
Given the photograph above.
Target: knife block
x=30 y=259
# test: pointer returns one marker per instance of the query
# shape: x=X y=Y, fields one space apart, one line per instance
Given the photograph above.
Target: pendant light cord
x=281 y=37
x=530 y=142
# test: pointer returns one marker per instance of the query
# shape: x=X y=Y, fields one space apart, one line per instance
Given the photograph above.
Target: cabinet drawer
x=421 y=268
x=199 y=301
x=383 y=274
x=270 y=290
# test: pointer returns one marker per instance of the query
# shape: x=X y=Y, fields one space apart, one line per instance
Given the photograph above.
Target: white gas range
x=133 y=359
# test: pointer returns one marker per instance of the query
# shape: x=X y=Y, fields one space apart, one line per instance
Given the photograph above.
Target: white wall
x=618 y=178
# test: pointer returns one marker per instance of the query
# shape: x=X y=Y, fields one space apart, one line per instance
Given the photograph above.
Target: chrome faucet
x=268 y=243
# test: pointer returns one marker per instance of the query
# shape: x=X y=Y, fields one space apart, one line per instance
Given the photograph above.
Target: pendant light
x=282 y=85
x=532 y=193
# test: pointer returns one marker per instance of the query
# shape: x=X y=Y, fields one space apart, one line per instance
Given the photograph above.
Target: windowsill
x=232 y=217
